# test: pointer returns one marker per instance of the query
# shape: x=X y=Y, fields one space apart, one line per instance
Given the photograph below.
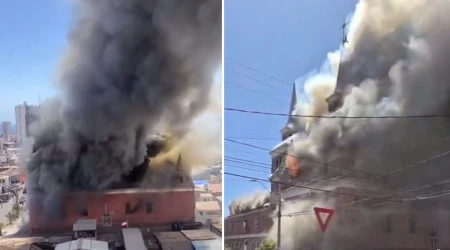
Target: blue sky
x=32 y=41
x=284 y=39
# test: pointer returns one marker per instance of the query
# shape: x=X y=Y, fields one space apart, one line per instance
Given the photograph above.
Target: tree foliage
x=268 y=245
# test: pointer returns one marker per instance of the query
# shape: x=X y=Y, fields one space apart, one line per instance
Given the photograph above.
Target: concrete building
x=215 y=189
x=248 y=230
x=25 y=116
x=6 y=130
x=208 y=212
x=205 y=197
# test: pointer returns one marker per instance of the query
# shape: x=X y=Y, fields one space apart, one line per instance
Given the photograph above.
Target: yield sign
x=323 y=215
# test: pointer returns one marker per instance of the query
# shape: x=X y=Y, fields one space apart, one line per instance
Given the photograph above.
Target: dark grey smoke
x=132 y=67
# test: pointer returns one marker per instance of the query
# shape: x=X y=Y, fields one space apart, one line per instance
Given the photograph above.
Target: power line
x=251 y=169
x=256 y=80
x=255 y=70
x=301 y=158
x=418 y=163
x=256 y=92
x=335 y=117
x=327 y=177
x=259 y=138
x=311 y=188
x=246 y=152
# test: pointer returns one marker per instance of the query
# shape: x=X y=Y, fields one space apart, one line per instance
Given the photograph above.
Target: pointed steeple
x=336 y=100
x=180 y=170
x=291 y=123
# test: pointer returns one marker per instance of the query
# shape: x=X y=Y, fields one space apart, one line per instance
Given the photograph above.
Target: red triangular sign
x=323 y=215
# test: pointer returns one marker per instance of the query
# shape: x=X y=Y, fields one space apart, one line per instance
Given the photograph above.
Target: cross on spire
x=344 y=35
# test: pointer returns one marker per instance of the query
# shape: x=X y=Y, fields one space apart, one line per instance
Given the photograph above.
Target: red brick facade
x=145 y=208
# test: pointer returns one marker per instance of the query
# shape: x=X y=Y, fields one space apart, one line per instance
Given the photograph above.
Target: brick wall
x=166 y=208
x=258 y=222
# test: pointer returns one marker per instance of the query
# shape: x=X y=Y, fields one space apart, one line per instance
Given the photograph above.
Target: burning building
x=249 y=222
x=133 y=69
x=386 y=178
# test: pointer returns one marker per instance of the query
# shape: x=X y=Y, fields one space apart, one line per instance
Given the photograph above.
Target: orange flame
x=23 y=178
x=293 y=166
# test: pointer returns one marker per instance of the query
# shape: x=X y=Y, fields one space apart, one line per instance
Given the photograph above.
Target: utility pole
x=279 y=218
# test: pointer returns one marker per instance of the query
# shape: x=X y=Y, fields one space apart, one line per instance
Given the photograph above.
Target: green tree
x=268 y=245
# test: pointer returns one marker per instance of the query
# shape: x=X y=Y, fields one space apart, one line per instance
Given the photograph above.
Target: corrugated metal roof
x=207 y=244
x=85 y=224
x=173 y=240
x=83 y=244
x=199 y=234
x=133 y=239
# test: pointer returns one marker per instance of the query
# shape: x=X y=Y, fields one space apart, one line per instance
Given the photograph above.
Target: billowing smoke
x=134 y=69
x=395 y=64
x=249 y=202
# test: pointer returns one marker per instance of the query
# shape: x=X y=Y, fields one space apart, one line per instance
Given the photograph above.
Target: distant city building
x=25 y=116
x=208 y=212
x=6 y=129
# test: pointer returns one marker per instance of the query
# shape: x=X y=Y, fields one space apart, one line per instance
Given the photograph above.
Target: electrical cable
x=336 y=117
x=255 y=70
x=300 y=158
x=256 y=92
x=311 y=188
x=256 y=80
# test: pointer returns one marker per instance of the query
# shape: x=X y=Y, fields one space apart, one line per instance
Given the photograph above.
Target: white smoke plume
x=133 y=68
x=249 y=202
x=395 y=64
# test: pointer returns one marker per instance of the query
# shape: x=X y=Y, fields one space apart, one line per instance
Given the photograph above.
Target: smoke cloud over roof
x=250 y=202
x=133 y=69
x=396 y=65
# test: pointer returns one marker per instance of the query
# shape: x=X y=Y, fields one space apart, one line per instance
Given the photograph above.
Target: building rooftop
x=215 y=188
x=4 y=172
x=127 y=191
x=199 y=234
x=173 y=240
x=265 y=209
x=83 y=244
x=219 y=198
x=206 y=195
x=217 y=225
x=85 y=224
x=207 y=206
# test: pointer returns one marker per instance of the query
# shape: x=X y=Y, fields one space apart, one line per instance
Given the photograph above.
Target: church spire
x=288 y=130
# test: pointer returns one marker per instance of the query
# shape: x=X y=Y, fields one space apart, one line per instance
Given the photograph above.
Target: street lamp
x=262 y=184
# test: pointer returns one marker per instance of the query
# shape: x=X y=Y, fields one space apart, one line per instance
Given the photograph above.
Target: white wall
x=204 y=216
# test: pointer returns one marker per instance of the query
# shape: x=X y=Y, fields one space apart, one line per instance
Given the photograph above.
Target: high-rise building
x=6 y=129
x=25 y=116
